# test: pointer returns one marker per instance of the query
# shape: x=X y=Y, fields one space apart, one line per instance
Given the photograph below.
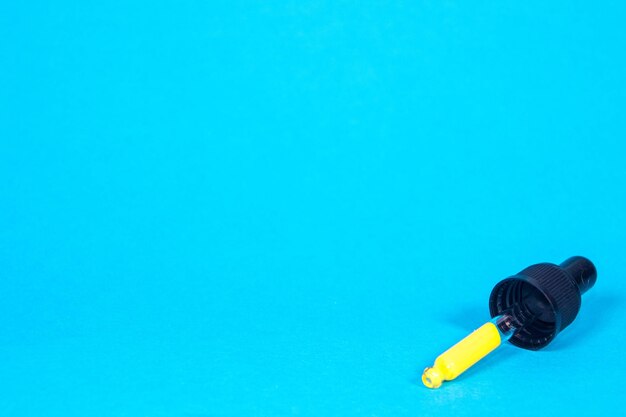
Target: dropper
x=528 y=309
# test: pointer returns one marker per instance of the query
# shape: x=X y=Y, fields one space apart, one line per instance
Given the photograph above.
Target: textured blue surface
x=240 y=208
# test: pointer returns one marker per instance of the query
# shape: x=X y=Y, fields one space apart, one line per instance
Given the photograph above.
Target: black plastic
x=542 y=299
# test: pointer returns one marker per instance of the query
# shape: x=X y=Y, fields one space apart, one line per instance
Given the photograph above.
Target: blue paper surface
x=258 y=208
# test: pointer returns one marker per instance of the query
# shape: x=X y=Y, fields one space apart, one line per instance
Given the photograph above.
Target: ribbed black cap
x=542 y=299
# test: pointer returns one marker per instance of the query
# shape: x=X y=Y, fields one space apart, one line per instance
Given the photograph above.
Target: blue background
x=254 y=208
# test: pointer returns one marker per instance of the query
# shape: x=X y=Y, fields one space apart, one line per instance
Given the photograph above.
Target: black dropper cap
x=542 y=299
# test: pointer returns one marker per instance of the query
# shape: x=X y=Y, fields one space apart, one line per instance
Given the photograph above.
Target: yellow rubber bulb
x=460 y=357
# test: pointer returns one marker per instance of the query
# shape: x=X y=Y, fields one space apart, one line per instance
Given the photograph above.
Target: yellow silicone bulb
x=460 y=357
